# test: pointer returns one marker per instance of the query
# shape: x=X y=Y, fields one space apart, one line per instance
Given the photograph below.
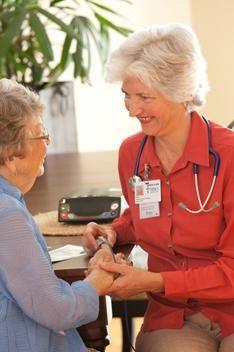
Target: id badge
x=148 y=192
x=148 y=196
x=149 y=210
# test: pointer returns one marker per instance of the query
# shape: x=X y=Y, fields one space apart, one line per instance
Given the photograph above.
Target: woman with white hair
x=38 y=311
x=177 y=177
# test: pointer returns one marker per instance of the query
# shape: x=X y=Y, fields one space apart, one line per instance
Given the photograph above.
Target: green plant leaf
x=27 y=59
x=65 y=52
x=105 y=22
x=105 y=42
x=65 y=56
x=64 y=27
x=127 y=1
x=12 y=30
x=26 y=49
x=105 y=8
x=54 y=2
x=42 y=37
x=88 y=54
x=78 y=54
x=89 y=27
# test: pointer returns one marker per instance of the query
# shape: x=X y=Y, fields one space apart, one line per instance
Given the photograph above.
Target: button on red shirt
x=193 y=252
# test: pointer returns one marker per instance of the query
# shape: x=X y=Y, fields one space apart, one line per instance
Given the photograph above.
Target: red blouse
x=193 y=252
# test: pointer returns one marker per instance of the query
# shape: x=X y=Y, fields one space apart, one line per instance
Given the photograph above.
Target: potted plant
x=28 y=53
x=26 y=48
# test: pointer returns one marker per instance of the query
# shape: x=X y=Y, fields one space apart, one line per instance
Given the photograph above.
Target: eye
x=145 y=98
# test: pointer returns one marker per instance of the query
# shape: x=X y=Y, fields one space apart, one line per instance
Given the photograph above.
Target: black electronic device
x=100 y=205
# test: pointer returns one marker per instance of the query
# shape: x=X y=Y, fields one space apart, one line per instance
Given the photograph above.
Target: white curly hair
x=167 y=58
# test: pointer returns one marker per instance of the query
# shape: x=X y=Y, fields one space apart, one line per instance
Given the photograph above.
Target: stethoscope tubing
x=136 y=177
x=138 y=158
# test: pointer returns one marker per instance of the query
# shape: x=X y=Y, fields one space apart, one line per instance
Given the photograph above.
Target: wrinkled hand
x=92 y=232
x=120 y=258
x=102 y=255
x=101 y=279
x=132 y=281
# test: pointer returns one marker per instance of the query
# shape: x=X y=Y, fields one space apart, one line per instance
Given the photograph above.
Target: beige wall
x=102 y=121
x=213 y=21
x=151 y=12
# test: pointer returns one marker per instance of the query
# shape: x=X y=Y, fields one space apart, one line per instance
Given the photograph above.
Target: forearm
x=154 y=283
x=210 y=282
x=124 y=229
x=28 y=277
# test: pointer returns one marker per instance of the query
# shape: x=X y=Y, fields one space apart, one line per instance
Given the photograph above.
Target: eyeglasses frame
x=45 y=136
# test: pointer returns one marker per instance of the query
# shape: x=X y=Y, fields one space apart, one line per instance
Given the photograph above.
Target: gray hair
x=167 y=58
x=18 y=105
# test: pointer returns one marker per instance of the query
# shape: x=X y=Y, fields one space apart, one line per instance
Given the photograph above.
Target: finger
x=89 y=242
x=120 y=261
x=120 y=256
x=113 y=267
x=115 y=289
x=111 y=236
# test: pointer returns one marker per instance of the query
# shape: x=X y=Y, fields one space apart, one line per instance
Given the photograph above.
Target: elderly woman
x=38 y=311
x=177 y=177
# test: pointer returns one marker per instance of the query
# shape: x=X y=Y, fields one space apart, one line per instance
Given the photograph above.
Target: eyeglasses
x=45 y=136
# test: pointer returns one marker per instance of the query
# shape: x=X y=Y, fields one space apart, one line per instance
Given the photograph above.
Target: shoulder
x=222 y=140
x=132 y=142
x=221 y=136
x=10 y=206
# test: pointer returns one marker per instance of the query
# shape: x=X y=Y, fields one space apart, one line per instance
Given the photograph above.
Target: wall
x=213 y=21
x=102 y=122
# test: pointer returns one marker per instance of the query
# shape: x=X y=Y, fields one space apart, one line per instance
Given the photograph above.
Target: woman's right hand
x=101 y=279
x=92 y=232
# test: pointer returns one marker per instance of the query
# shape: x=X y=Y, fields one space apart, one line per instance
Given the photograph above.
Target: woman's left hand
x=132 y=281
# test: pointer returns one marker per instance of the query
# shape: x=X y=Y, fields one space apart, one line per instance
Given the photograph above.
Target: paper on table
x=66 y=252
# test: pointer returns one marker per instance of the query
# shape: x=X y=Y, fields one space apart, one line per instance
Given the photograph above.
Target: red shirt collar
x=197 y=147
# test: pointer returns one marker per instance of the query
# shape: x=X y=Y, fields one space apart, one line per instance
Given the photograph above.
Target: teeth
x=145 y=118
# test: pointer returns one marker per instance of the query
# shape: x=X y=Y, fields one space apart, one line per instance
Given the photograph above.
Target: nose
x=134 y=108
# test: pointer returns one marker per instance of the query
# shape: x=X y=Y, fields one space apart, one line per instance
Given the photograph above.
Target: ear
x=10 y=164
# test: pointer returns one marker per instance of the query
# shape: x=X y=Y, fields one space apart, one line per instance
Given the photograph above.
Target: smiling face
x=31 y=165
x=158 y=115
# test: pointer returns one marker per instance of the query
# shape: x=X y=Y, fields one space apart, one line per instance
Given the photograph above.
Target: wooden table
x=65 y=173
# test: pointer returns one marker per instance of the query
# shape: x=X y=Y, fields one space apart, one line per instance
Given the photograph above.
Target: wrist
x=156 y=282
x=101 y=280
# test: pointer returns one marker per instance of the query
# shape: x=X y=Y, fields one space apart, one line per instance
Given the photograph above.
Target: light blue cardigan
x=38 y=311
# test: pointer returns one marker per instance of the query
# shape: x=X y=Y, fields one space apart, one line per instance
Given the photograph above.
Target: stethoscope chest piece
x=133 y=180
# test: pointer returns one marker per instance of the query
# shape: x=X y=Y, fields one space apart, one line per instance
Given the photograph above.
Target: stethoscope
x=136 y=178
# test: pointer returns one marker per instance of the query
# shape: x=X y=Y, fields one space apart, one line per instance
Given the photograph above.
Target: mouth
x=145 y=119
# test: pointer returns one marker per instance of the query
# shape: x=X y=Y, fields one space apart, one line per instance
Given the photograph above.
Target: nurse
x=190 y=277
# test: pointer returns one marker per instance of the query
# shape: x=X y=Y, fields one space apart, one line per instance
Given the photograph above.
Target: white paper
x=66 y=252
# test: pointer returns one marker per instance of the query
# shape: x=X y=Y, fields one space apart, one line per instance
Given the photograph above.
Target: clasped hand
x=120 y=279
x=126 y=280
